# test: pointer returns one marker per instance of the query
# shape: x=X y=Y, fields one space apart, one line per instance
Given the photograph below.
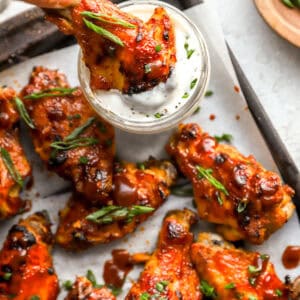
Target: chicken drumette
x=138 y=191
x=228 y=273
x=26 y=270
x=68 y=135
x=83 y=289
x=14 y=167
x=169 y=273
x=125 y=53
x=234 y=191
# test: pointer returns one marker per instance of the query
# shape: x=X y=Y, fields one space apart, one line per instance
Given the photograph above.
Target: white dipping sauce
x=165 y=98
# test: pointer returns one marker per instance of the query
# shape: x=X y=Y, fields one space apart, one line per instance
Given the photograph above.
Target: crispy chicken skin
x=256 y=203
x=26 y=268
x=134 y=67
x=10 y=202
x=83 y=289
x=230 y=271
x=132 y=186
x=58 y=116
x=170 y=264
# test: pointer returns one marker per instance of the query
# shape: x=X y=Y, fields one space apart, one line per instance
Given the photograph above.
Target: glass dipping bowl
x=151 y=122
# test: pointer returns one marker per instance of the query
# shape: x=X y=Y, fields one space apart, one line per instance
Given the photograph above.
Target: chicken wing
x=137 y=193
x=230 y=273
x=120 y=50
x=26 y=270
x=230 y=189
x=83 y=289
x=68 y=135
x=14 y=167
x=169 y=273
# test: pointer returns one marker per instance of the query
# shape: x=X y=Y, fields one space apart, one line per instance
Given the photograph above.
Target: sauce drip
x=291 y=257
x=124 y=192
x=116 y=269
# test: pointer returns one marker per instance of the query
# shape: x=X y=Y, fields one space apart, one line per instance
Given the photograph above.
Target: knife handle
x=189 y=3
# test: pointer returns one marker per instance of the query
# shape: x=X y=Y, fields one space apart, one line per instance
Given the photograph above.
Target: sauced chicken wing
x=14 y=167
x=169 y=273
x=68 y=135
x=228 y=273
x=230 y=189
x=139 y=56
x=26 y=270
x=83 y=289
x=137 y=192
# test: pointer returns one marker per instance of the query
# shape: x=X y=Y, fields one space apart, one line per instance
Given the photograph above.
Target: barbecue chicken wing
x=86 y=158
x=14 y=167
x=169 y=273
x=138 y=57
x=228 y=273
x=230 y=189
x=83 y=289
x=145 y=187
x=26 y=270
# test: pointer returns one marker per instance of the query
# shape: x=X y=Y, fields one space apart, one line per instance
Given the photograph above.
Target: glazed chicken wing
x=26 y=270
x=14 y=167
x=169 y=273
x=228 y=273
x=83 y=289
x=68 y=135
x=131 y=56
x=137 y=193
x=236 y=192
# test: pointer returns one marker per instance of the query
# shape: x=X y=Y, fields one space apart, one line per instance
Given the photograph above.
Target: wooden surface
x=285 y=21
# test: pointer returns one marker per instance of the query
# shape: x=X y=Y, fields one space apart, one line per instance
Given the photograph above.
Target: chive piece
x=147 y=68
x=193 y=83
x=141 y=166
x=107 y=19
x=208 y=93
x=264 y=256
x=278 y=292
x=160 y=286
x=49 y=93
x=6 y=276
x=252 y=298
x=207 y=289
x=35 y=297
x=182 y=191
x=83 y=160
x=225 y=137
x=288 y=3
x=253 y=269
x=145 y=296
x=252 y=280
x=185 y=95
x=91 y=277
x=74 y=117
x=241 y=206
x=158 y=115
x=230 y=286
x=79 y=142
x=206 y=173
x=189 y=52
x=79 y=130
x=23 y=112
x=67 y=285
x=197 y=110
x=158 y=48
x=103 y=32
x=220 y=200
x=113 y=213
x=11 y=167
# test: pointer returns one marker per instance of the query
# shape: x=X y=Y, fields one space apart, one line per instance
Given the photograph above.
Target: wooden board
x=285 y=21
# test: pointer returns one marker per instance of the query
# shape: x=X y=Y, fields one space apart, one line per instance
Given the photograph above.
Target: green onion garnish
x=54 y=92
x=23 y=112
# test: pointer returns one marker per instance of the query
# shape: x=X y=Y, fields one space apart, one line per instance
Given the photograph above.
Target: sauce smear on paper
x=116 y=269
x=291 y=257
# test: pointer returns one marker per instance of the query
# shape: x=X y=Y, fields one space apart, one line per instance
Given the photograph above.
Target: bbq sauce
x=116 y=269
x=291 y=257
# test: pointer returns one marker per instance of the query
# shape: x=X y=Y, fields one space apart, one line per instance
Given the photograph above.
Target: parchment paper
x=226 y=104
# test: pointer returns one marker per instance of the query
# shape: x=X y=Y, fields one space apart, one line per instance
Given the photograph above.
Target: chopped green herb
x=197 y=110
x=141 y=166
x=252 y=280
x=225 y=137
x=252 y=298
x=103 y=32
x=241 y=206
x=220 y=200
x=158 y=48
x=147 y=68
x=113 y=213
x=229 y=286
x=91 y=277
x=160 y=286
x=107 y=19
x=278 y=292
x=115 y=290
x=79 y=142
x=185 y=95
x=11 y=167
x=53 y=92
x=288 y=3
x=182 y=191
x=67 y=285
x=6 y=276
x=23 y=112
x=145 y=296
x=193 y=83
x=74 y=117
x=264 y=256
x=83 y=160
x=79 y=130
x=158 y=115
x=35 y=297
x=207 y=289
x=189 y=52
x=206 y=173
x=208 y=93
x=253 y=269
